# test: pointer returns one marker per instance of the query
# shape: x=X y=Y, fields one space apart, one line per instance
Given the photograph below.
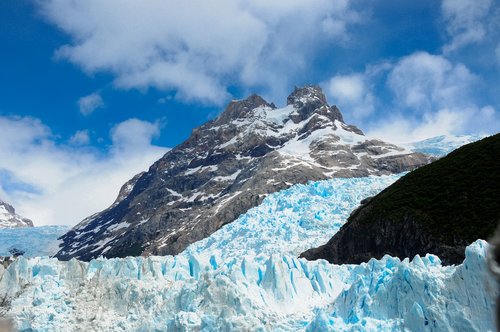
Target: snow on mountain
x=441 y=145
x=282 y=293
x=33 y=241
x=227 y=166
x=10 y=219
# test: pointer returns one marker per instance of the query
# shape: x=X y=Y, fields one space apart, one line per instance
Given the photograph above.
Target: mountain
x=10 y=219
x=246 y=277
x=439 y=208
x=227 y=166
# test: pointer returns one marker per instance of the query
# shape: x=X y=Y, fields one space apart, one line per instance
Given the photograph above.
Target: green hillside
x=439 y=208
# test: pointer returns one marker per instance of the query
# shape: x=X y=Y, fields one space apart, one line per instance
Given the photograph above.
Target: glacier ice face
x=420 y=295
x=186 y=293
x=293 y=220
x=34 y=241
x=440 y=146
x=178 y=293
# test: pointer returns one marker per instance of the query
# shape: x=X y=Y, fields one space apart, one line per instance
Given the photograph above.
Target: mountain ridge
x=10 y=219
x=439 y=208
x=227 y=166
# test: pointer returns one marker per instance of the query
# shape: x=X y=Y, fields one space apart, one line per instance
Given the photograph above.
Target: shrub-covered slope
x=439 y=208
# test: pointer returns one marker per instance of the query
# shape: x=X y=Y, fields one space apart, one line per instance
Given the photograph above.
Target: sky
x=93 y=92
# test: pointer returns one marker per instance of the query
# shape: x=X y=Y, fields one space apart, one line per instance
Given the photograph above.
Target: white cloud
x=81 y=137
x=399 y=129
x=465 y=21
x=426 y=82
x=433 y=96
x=134 y=133
x=90 y=103
x=198 y=48
x=349 y=88
x=70 y=182
x=352 y=93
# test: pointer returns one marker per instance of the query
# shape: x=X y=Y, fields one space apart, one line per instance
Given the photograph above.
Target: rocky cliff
x=440 y=208
x=227 y=166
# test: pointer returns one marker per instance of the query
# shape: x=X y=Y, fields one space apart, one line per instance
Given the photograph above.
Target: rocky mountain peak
x=311 y=99
x=227 y=166
x=10 y=219
x=305 y=94
x=240 y=108
x=127 y=188
x=302 y=104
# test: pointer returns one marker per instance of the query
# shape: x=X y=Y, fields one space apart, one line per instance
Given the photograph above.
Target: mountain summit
x=227 y=166
x=10 y=219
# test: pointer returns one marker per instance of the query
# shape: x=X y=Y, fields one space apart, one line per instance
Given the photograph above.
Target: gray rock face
x=228 y=166
x=10 y=219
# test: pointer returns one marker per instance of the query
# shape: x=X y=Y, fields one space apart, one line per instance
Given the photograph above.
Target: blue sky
x=92 y=92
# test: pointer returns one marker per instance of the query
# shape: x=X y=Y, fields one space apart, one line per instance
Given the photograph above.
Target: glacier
x=282 y=293
x=440 y=146
x=293 y=220
x=34 y=241
x=247 y=277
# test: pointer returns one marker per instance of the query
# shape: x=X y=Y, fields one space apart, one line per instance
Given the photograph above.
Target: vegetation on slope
x=457 y=196
x=439 y=208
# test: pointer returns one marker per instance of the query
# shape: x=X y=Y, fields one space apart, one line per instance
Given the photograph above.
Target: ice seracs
x=185 y=293
x=292 y=220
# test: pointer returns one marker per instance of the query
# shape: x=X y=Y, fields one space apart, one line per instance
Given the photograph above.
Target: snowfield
x=442 y=145
x=247 y=277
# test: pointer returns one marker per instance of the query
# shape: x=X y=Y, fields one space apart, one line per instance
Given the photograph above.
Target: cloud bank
x=198 y=48
x=55 y=183
x=430 y=96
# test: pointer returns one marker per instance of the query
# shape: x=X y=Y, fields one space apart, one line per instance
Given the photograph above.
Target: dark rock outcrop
x=440 y=208
x=228 y=166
